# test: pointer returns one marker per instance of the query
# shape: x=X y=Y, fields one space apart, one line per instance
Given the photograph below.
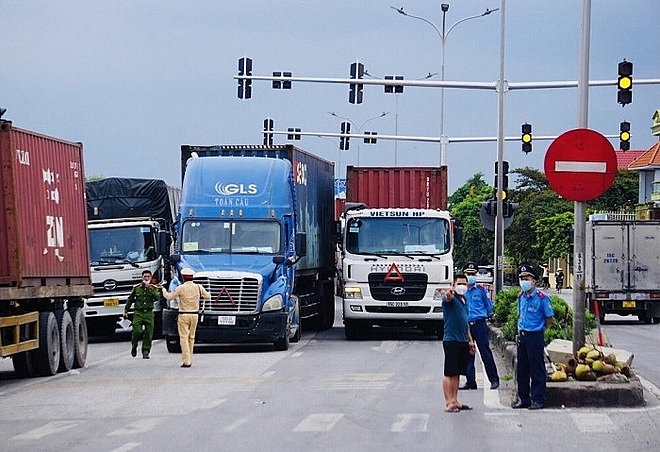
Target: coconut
x=581 y=370
x=607 y=369
x=582 y=353
x=598 y=365
x=559 y=375
x=594 y=354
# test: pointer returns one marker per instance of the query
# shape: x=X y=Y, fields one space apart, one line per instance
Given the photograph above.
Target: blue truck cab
x=241 y=230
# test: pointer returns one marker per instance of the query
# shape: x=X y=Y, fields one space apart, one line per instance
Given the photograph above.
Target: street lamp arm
x=485 y=13
x=385 y=113
x=401 y=11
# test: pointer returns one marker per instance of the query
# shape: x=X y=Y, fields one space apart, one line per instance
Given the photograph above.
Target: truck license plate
x=629 y=304
x=397 y=304
x=110 y=302
x=226 y=320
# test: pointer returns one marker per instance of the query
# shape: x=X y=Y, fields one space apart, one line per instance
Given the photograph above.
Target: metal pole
x=579 y=226
x=443 y=38
x=499 y=220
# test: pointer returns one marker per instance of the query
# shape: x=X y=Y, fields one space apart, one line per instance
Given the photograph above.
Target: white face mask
x=460 y=289
x=146 y=282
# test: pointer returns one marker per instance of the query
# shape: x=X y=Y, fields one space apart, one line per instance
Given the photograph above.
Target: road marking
x=139 y=426
x=126 y=447
x=296 y=354
x=418 y=422
x=48 y=429
x=386 y=346
x=321 y=422
x=233 y=426
x=355 y=381
x=593 y=422
x=581 y=167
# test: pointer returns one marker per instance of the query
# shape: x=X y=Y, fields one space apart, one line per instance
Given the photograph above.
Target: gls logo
x=235 y=189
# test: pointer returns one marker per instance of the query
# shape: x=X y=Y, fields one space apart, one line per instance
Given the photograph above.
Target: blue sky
x=135 y=79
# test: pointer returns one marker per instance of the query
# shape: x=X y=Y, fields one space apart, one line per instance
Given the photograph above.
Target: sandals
x=453 y=409
x=464 y=407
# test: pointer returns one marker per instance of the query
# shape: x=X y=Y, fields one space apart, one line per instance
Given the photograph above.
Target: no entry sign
x=580 y=165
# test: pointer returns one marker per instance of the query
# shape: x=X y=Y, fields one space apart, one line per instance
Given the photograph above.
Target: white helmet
x=559 y=270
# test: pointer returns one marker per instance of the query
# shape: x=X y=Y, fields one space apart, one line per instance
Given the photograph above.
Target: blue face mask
x=525 y=285
x=472 y=280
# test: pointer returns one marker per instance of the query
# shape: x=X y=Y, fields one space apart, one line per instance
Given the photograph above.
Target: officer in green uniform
x=144 y=295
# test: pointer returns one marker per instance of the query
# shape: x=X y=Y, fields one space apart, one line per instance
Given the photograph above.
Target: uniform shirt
x=533 y=310
x=143 y=297
x=455 y=313
x=479 y=304
x=189 y=294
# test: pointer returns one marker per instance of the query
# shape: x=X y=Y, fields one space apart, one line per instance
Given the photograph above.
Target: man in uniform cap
x=480 y=308
x=535 y=315
x=189 y=295
x=143 y=295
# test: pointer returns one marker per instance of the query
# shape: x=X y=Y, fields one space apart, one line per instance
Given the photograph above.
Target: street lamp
x=358 y=129
x=443 y=38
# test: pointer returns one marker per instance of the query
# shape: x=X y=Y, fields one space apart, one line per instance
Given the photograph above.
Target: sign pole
x=579 y=238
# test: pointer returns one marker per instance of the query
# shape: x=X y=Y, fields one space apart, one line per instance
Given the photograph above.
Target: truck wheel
x=24 y=364
x=282 y=343
x=351 y=330
x=158 y=324
x=330 y=312
x=67 y=340
x=173 y=344
x=81 y=339
x=656 y=320
x=47 y=357
x=440 y=331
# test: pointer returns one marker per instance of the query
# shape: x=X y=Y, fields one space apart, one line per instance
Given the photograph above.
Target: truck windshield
x=245 y=236
x=397 y=236
x=120 y=245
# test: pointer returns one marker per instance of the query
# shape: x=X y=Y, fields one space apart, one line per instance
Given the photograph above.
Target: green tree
x=554 y=235
x=622 y=195
x=465 y=204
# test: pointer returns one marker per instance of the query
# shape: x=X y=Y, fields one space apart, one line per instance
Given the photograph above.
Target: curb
x=575 y=394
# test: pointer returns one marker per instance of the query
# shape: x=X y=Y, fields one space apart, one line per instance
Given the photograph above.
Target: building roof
x=648 y=159
x=625 y=158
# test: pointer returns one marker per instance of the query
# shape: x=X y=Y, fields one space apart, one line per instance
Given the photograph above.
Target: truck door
x=610 y=254
x=644 y=255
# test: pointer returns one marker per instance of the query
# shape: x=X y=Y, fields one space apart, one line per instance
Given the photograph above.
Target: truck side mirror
x=175 y=258
x=458 y=235
x=164 y=241
x=301 y=244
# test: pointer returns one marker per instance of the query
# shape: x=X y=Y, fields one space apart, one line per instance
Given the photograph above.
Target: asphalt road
x=323 y=394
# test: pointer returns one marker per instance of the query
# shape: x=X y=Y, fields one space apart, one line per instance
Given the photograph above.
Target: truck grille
x=238 y=295
x=412 y=288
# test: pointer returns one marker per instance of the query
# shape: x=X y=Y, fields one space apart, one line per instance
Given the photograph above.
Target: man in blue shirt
x=480 y=308
x=534 y=316
x=457 y=342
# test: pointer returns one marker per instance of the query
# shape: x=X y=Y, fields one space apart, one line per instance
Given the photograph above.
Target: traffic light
x=394 y=88
x=355 y=91
x=277 y=84
x=370 y=140
x=505 y=179
x=244 y=85
x=509 y=209
x=343 y=140
x=526 y=138
x=624 y=136
x=294 y=133
x=268 y=132
x=624 y=83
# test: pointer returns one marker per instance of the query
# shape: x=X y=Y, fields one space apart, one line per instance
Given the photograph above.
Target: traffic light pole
x=499 y=219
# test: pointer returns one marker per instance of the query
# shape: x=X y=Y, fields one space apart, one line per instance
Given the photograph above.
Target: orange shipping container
x=412 y=187
x=43 y=216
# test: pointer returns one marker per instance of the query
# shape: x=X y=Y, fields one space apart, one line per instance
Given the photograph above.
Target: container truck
x=257 y=227
x=131 y=227
x=395 y=256
x=622 y=268
x=44 y=264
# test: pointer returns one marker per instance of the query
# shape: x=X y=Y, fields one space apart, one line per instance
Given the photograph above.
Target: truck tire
x=47 y=356
x=351 y=330
x=24 y=364
x=158 y=324
x=81 y=339
x=67 y=340
x=173 y=344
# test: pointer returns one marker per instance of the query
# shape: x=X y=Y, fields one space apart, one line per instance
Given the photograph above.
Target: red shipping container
x=412 y=187
x=43 y=216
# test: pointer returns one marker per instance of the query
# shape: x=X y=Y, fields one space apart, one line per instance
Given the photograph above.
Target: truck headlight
x=439 y=294
x=274 y=303
x=352 y=293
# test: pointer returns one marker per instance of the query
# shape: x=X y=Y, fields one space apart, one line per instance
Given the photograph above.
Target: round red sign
x=580 y=165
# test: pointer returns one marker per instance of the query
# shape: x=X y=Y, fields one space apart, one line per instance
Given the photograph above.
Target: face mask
x=525 y=285
x=460 y=289
x=472 y=280
x=146 y=282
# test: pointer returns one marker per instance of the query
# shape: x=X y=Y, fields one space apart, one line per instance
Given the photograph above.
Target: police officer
x=480 y=308
x=144 y=295
x=189 y=295
x=535 y=315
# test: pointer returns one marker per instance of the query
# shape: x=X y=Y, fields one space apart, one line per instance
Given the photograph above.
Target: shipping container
x=409 y=187
x=42 y=207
